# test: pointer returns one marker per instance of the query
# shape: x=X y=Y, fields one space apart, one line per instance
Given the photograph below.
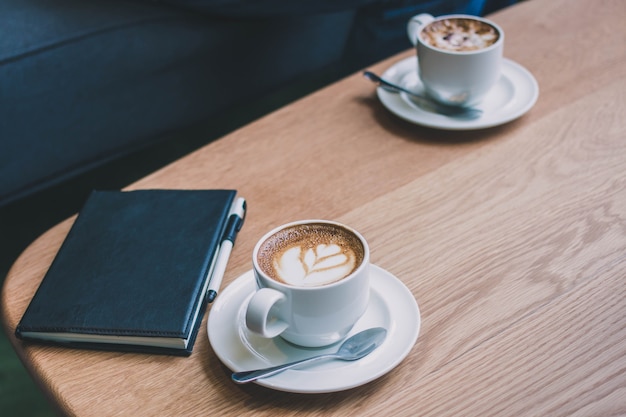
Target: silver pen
x=235 y=222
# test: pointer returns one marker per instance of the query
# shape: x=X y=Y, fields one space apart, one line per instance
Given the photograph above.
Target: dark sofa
x=84 y=82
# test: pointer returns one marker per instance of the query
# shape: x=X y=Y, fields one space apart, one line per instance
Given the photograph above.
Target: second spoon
x=425 y=102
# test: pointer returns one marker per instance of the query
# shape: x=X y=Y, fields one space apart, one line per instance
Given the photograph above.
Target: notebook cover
x=133 y=264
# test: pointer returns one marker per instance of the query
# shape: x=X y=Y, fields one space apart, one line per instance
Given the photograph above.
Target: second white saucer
x=392 y=306
x=514 y=94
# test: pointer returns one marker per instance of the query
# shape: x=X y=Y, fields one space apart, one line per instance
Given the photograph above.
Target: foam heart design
x=314 y=266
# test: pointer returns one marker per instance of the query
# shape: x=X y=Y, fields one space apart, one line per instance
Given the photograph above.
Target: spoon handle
x=250 y=376
x=425 y=103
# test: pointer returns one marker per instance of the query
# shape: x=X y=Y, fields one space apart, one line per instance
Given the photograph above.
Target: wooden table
x=511 y=239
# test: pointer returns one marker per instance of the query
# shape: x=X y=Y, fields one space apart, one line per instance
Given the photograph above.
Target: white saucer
x=392 y=306
x=514 y=94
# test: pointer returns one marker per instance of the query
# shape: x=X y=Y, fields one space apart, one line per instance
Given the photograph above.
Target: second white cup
x=459 y=56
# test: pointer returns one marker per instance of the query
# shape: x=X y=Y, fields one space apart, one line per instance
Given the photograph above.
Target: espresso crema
x=459 y=34
x=309 y=255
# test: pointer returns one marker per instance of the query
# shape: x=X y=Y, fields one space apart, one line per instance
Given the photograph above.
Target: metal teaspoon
x=425 y=102
x=353 y=348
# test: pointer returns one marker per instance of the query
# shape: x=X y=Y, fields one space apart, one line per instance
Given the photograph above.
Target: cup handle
x=415 y=24
x=262 y=313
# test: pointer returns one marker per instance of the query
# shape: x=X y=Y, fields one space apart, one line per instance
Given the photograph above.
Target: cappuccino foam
x=459 y=34
x=309 y=255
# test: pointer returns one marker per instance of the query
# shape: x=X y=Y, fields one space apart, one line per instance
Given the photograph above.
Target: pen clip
x=235 y=220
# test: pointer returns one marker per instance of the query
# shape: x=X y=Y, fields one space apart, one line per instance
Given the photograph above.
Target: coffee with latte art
x=459 y=34
x=309 y=255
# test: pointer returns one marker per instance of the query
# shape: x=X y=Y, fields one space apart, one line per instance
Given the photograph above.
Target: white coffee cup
x=317 y=304
x=457 y=75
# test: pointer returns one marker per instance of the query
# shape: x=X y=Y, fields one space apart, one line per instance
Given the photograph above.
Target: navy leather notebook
x=132 y=273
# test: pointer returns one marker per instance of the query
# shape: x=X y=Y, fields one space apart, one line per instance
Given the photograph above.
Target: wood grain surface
x=511 y=239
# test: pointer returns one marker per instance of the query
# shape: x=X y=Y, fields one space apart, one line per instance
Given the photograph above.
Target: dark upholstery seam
x=77 y=38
